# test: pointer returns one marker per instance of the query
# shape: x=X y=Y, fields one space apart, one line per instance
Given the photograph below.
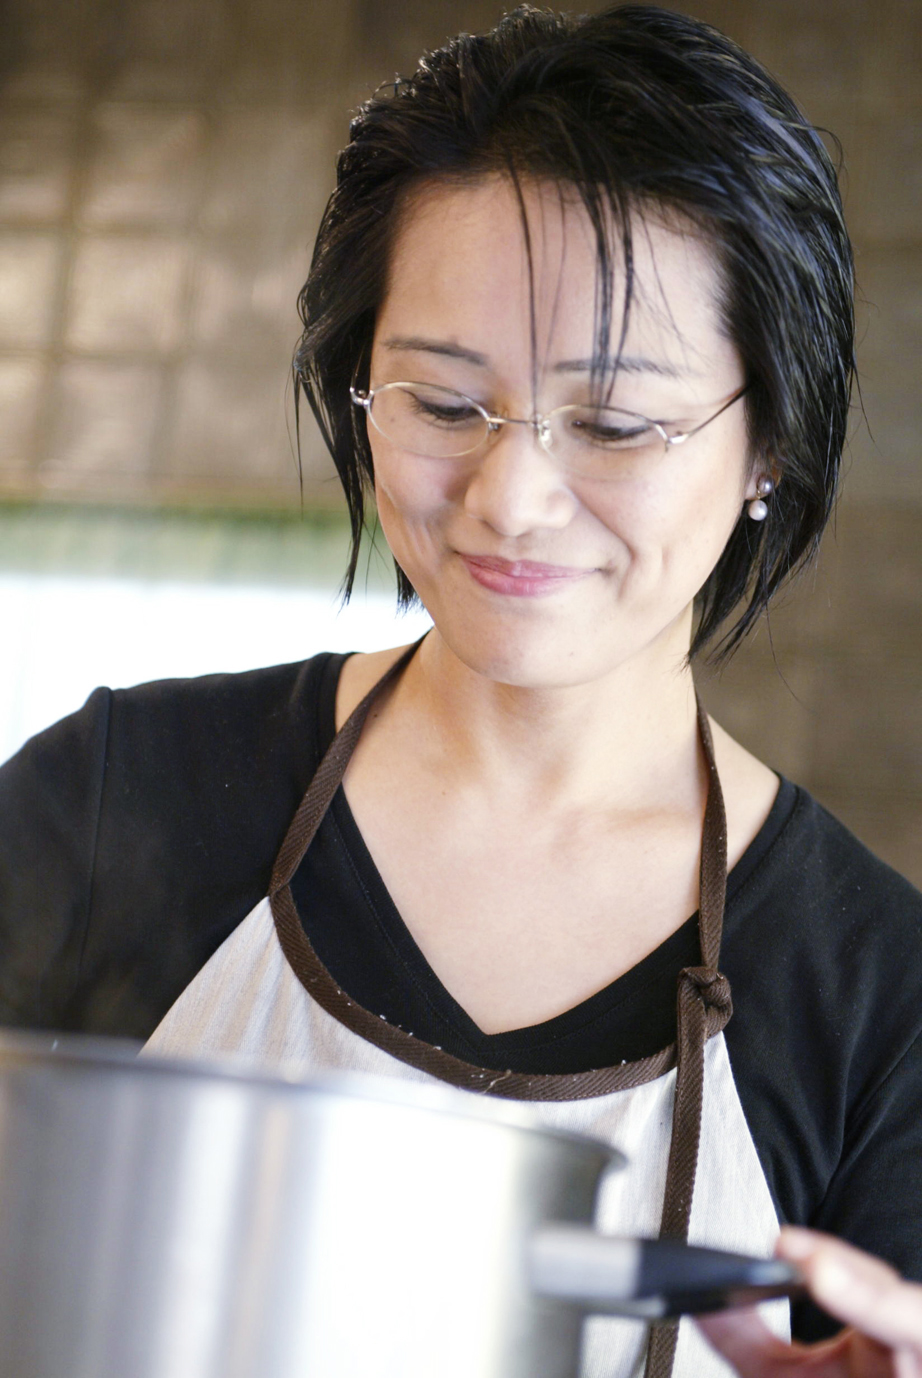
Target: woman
x=580 y=312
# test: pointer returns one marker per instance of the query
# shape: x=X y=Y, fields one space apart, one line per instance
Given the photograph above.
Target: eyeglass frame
x=364 y=397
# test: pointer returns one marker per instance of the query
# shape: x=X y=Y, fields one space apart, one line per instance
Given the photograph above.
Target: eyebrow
x=416 y=343
x=627 y=363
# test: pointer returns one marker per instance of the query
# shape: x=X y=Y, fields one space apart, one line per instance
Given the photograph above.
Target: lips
x=522 y=578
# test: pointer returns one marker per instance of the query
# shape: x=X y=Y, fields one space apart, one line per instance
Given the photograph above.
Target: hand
x=882 y=1312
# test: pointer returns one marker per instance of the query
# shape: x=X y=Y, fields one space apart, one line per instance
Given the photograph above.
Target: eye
x=442 y=412
x=443 y=408
x=607 y=428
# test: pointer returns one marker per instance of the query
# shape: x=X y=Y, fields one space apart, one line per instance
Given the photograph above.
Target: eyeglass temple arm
x=686 y=435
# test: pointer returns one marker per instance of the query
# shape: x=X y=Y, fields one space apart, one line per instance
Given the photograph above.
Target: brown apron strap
x=327 y=779
x=699 y=988
x=703 y=1002
x=713 y=873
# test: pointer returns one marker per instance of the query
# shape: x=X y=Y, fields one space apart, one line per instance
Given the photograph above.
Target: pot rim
x=114 y=1055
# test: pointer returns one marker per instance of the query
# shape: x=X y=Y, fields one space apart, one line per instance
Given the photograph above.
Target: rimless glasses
x=590 y=441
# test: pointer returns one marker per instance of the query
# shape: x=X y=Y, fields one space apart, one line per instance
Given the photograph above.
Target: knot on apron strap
x=713 y=990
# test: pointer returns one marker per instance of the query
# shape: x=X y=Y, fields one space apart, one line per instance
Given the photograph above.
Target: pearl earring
x=758 y=508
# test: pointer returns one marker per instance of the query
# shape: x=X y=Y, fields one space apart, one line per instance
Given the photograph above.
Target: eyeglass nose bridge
x=541 y=425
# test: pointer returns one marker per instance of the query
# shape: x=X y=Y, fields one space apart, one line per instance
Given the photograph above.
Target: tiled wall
x=162 y=170
x=163 y=164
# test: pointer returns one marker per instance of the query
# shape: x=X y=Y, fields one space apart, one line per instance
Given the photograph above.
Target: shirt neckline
x=678 y=950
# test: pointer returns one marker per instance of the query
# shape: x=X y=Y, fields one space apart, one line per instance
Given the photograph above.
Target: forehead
x=477 y=264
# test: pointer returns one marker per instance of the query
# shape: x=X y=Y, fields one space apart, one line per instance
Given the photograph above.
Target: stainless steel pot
x=167 y=1220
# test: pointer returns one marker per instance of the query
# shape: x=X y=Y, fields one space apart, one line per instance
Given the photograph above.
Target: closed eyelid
x=495 y=413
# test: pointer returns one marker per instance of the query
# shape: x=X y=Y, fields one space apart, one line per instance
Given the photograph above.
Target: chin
x=524 y=657
x=564 y=650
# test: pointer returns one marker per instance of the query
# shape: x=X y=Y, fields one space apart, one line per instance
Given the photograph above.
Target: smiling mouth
x=522 y=578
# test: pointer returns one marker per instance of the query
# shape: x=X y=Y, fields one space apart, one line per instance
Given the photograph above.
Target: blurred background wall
x=163 y=165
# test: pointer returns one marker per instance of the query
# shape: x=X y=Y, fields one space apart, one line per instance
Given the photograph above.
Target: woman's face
x=534 y=576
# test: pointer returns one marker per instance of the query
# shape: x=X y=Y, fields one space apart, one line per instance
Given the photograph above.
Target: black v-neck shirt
x=137 y=834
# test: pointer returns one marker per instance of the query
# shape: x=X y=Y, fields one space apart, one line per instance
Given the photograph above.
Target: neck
x=628 y=739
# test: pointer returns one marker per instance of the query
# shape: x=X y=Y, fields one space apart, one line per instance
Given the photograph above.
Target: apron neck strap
x=332 y=768
x=713 y=872
x=328 y=777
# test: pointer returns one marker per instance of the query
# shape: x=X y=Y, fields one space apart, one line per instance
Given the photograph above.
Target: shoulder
x=823 y=951
x=841 y=888
x=168 y=730
x=749 y=788
x=812 y=908
x=856 y=915
x=135 y=834
x=217 y=757
x=207 y=703
x=359 y=674
x=274 y=694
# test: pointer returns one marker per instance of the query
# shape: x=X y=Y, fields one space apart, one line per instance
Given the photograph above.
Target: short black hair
x=634 y=107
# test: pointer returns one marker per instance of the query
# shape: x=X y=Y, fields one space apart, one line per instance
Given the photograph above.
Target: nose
x=517 y=487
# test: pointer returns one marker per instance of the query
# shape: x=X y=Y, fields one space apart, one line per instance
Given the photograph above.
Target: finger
x=751 y=1348
x=858 y=1289
x=907 y=1365
x=746 y=1342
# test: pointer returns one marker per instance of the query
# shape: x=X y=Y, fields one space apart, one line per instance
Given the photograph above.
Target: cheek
x=413 y=498
x=709 y=520
x=675 y=529
x=642 y=517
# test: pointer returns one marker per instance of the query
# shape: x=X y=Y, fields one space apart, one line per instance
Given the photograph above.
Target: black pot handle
x=651 y=1279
